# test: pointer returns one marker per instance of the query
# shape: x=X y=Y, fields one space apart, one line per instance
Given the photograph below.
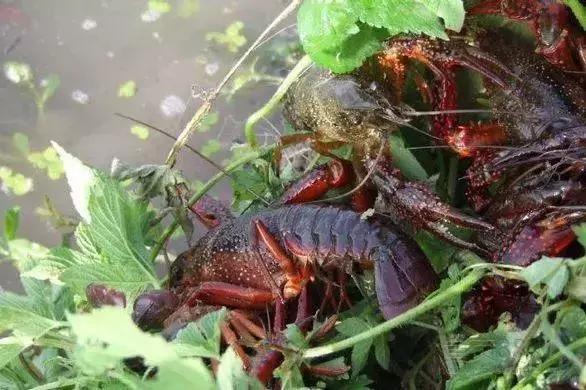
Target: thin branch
x=265 y=110
x=437 y=300
x=205 y=108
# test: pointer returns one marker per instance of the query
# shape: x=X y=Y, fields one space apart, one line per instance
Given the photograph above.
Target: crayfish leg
x=231 y=295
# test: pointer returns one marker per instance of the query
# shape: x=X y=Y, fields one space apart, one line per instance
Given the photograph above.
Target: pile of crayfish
x=298 y=259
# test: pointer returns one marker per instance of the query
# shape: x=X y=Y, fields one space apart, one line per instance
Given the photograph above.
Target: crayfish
x=267 y=259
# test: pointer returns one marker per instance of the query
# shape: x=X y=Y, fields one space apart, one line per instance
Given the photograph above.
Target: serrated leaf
x=80 y=179
x=351 y=53
x=482 y=367
x=382 y=351
x=552 y=272
x=359 y=355
x=127 y=89
x=10 y=348
x=24 y=316
x=324 y=24
x=11 y=222
x=398 y=16
x=451 y=11
x=107 y=335
x=201 y=338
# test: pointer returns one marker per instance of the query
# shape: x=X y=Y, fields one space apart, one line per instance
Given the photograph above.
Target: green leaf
x=398 y=16
x=325 y=24
x=201 y=338
x=451 y=11
x=26 y=316
x=141 y=132
x=572 y=322
x=211 y=147
x=553 y=272
x=127 y=89
x=482 y=367
x=231 y=374
x=352 y=52
x=577 y=288
x=579 y=10
x=25 y=254
x=21 y=143
x=405 y=160
x=106 y=336
x=580 y=231
x=231 y=38
x=382 y=351
x=160 y=6
x=10 y=348
x=11 y=222
x=50 y=85
x=153 y=180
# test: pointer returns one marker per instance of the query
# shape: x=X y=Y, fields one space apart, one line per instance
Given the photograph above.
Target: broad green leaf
x=127 y=89
x=382 y=351
x=21 y=143
x=231 y=38
x=552 y=272
x=80 y=179
x=398 y=16
x=325 y=24
x=359 y=355
x=577 y=288
x=24 y=316
x=11 y=222
x=572 y=323
x=50 y=85
x=106 y=336
x=15 y=182
x=451 y=11
x=352 y=52
x=141 y=132
x=201 y=338
x=10 y=347
x=484 y=366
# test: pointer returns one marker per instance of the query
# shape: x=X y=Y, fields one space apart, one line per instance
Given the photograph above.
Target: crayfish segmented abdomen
x=322 y=239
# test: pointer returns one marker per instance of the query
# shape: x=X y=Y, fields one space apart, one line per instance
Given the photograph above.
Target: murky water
x=94 y=47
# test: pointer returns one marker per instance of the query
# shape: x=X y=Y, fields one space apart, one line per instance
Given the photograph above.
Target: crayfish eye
x=151 y=309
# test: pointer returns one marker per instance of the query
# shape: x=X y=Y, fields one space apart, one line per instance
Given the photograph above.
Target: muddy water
x=94 y=46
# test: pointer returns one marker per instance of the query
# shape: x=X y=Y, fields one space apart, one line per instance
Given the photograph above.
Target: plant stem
x=206 y=187
x=31 y=368
x=402 y=319
x=549 y=362
x=269 y=106
x=205 y=108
